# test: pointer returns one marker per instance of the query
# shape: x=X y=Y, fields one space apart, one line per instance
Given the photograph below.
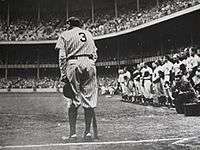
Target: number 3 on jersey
x=83 y=37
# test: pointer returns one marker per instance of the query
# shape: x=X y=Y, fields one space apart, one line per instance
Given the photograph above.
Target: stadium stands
x=34 y=59
x=26 y=29
x=22 y=83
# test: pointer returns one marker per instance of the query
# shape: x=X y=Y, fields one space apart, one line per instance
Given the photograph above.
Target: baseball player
x=158 y=87
x=146 y=83
x=77 y=57
x=193 y=62
x=167 y=69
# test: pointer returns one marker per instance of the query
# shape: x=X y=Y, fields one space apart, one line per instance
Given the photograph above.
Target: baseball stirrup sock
x=72 y=114
x=94 y=123
x=88 y=119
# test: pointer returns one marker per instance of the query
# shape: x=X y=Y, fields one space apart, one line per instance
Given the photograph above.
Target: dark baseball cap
x=179 y=74
x=74 y=22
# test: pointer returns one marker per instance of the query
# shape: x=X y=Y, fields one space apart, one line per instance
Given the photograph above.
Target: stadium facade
x=145 y=42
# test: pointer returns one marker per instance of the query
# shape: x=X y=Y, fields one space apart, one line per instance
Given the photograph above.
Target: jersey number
x=83 y=37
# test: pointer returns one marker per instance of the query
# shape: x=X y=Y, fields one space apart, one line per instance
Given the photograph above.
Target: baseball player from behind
x=77 y=57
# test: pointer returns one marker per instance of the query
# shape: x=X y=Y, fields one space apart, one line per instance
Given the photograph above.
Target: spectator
x=26 y=29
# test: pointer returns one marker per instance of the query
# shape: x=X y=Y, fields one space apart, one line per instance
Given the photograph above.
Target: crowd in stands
x=133 y=18
x=25 y=29
x=166 y=82
x=107 y=85
x=22 y=83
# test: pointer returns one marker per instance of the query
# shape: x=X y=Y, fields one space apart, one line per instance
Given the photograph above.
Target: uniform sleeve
x=150 y=71
x=195 y=62
x=94 y=48
x=60 y=43
x=62 y=53
x=129 y=75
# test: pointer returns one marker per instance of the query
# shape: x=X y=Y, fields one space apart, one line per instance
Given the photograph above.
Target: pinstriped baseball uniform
x=80 y=71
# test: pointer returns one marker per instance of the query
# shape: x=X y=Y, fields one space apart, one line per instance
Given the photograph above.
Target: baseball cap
x=75 y=22
x=179 y=74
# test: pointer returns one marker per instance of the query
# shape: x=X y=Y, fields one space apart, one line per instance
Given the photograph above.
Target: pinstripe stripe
x=74 y=45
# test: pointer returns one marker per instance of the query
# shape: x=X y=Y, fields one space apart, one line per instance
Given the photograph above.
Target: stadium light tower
x=138 y=5
x=8 y=13
x=92 y=8
x=38 y=11
x=67 y=9
x=116 y=11
x=157 y=2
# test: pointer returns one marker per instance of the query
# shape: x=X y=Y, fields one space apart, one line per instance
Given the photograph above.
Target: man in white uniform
x=137 y=83
x=120 y=79
x=77 y=56
x=193 y=64
x=126 y=74
x=147 y=82
x=167 y=69
x=158 y=86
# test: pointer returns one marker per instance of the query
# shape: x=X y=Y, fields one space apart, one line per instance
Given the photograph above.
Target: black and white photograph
x=99 y=74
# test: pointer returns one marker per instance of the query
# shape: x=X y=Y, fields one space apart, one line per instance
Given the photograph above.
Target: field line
x=92 y=143
x=181 y=141
x=14 y=114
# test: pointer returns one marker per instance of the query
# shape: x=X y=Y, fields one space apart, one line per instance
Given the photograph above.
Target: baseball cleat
x=70 y=138
x=88 y=137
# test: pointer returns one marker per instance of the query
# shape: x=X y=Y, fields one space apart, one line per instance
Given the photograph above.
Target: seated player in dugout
x=77 y=57
x=183 y=92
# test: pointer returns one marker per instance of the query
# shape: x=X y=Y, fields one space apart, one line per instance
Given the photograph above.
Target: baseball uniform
x=77 y=58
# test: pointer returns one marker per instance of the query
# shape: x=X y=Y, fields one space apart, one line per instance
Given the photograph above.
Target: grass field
x=31 y=121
